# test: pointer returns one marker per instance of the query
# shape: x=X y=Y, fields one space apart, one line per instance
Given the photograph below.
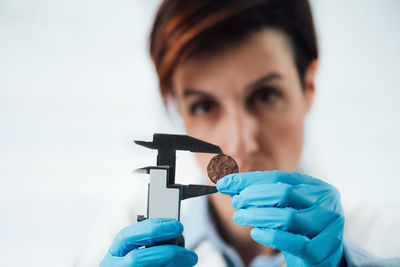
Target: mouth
x=253 y=169
x=255 y=164
x=248 y=169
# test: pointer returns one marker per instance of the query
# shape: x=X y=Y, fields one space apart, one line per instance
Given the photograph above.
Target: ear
x=309 y=83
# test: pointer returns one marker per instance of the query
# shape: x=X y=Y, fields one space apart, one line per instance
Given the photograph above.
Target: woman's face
x=248 y=99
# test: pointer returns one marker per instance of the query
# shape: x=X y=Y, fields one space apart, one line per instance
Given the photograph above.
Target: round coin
x=220 y=166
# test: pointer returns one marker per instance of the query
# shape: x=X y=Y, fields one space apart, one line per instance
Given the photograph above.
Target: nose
x=241 y=136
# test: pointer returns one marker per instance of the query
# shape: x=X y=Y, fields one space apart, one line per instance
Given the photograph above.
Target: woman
x=241 y=74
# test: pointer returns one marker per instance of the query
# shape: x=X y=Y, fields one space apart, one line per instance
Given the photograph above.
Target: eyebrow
x=271 y=76
x=263 y=79
x=193 y=92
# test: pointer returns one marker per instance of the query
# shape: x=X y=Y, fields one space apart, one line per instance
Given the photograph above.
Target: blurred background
x=77 y=87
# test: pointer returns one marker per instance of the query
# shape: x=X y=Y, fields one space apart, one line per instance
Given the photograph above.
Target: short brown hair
x=183 y=28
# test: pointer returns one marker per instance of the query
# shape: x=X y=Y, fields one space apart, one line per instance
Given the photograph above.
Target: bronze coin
x=220 y=166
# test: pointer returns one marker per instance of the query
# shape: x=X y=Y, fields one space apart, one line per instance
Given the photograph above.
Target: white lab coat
x=367 y=228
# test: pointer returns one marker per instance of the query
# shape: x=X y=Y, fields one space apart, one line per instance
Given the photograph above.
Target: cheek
x=290 y=132
x=288 y=126
x=202 y=132
x=214 y=133
x=287 y=141
x=202 y=160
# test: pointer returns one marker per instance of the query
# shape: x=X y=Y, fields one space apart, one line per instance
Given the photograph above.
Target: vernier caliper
x=164 y=195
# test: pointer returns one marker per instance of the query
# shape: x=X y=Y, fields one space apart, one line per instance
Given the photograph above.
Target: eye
x=263 y=96
x=202 y=107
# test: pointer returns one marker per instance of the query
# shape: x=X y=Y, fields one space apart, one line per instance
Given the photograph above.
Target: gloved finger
x=113 y=261
x=280 y=239
x=309 y=250
x=163 y=255
x=309 y=222
x=144 y=233
x=235 y=183
x=300 y=196
x=328 y=245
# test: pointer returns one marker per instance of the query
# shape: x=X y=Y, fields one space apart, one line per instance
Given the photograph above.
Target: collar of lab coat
x=200 y=229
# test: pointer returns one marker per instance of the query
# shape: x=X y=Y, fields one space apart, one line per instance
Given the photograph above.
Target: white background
x=77 y=87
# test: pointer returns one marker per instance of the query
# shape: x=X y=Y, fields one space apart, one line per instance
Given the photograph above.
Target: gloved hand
x=125 y=250
x=292 y=212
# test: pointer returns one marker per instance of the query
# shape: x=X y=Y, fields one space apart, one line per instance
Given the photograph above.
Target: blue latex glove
x=127 y=248
x=292 y=212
